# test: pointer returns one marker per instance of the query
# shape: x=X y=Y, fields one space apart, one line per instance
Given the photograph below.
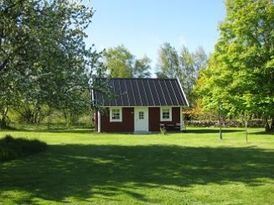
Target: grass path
x=81 y=167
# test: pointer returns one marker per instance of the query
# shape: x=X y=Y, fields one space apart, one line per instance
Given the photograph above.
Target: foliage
x=11 y=148
x=168 y=62
x=142 y=68
x=44 y=60
x=183 y=65
x=121 y=63
x=240 y=74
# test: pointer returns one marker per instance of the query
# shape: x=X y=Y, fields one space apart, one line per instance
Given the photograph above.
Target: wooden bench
x=170 y=126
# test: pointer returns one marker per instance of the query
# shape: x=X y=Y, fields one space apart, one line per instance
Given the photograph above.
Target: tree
x=168 y=65
x=241 y=70
x=142 y=68
x=120 y=63
x=43 y=56
x=184 y=66
x=188 y=73
x=200 y=60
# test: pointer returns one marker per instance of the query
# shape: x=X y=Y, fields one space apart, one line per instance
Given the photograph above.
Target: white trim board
x=183 y=91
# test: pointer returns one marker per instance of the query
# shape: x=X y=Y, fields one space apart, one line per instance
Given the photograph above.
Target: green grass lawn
x=81 y=167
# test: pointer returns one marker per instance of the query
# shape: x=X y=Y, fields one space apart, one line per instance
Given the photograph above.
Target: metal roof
x=142 y=92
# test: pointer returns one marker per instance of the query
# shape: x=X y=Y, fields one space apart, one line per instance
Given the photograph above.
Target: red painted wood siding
x=127 y=124
x=154 y=118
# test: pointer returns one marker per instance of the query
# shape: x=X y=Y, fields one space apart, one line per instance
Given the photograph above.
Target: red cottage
x=140 y=105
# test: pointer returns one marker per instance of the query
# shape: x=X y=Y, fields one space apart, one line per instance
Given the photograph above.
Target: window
x=141 y=115
x=166 y=114
x=115 y=115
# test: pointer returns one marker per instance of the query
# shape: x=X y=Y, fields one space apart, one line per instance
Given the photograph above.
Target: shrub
x=11 y=148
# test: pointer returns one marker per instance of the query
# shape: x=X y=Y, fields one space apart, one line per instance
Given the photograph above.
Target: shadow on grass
x=209 y=131
x=263 y=133
x=104 y=171
x=57 y=130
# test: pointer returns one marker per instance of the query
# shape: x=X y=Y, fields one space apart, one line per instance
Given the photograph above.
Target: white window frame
x=170 y=114
x=120 y=113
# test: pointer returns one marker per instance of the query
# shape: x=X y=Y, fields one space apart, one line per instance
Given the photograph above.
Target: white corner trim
x=182 y=125
x=183 y=91
x=161 y=114
x=98 y=121
x=110 y=114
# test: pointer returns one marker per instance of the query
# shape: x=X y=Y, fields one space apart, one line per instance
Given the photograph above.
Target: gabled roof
x=142 y=92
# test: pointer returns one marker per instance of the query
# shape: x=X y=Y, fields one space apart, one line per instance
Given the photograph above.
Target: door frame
x=146 y=109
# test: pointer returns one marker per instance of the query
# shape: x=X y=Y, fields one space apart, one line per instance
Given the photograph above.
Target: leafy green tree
x=200 y=59
x=240 y=75
x=187 y=73
x=119 y=62
x=168 y=65
x=142 y=68
x=43 y=57
x=183 y=65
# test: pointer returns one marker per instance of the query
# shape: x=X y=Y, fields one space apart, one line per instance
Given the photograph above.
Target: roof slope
x=142 y=92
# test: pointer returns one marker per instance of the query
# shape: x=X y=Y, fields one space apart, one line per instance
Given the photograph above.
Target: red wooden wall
x=155 y=118
x=127 y=124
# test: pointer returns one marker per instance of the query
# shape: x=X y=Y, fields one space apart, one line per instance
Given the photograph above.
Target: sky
x=143 y=26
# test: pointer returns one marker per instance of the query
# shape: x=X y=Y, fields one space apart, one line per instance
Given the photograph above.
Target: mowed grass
x=82 y=167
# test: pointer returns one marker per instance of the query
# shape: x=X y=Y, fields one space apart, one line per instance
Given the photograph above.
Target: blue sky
x=143 y=25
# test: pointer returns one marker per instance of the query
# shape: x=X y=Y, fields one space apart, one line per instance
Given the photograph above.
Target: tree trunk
x=37 y=115
x=67 y=118
x=3 y=123
x=49 y=117
x=272 y=125
x=3 y=119
x=267 y=126
x=220 y=130
x=246 y=131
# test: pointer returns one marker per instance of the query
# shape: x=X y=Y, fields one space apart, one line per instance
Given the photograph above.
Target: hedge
x=13 y=148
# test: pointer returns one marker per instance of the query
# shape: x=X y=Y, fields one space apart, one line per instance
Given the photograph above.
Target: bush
x=11 y=148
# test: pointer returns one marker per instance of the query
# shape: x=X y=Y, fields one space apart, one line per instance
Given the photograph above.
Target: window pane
x=141 y=115
x=165 y=113
x=115 y=114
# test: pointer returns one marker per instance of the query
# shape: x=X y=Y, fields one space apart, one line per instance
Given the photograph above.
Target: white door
x=141 y=119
